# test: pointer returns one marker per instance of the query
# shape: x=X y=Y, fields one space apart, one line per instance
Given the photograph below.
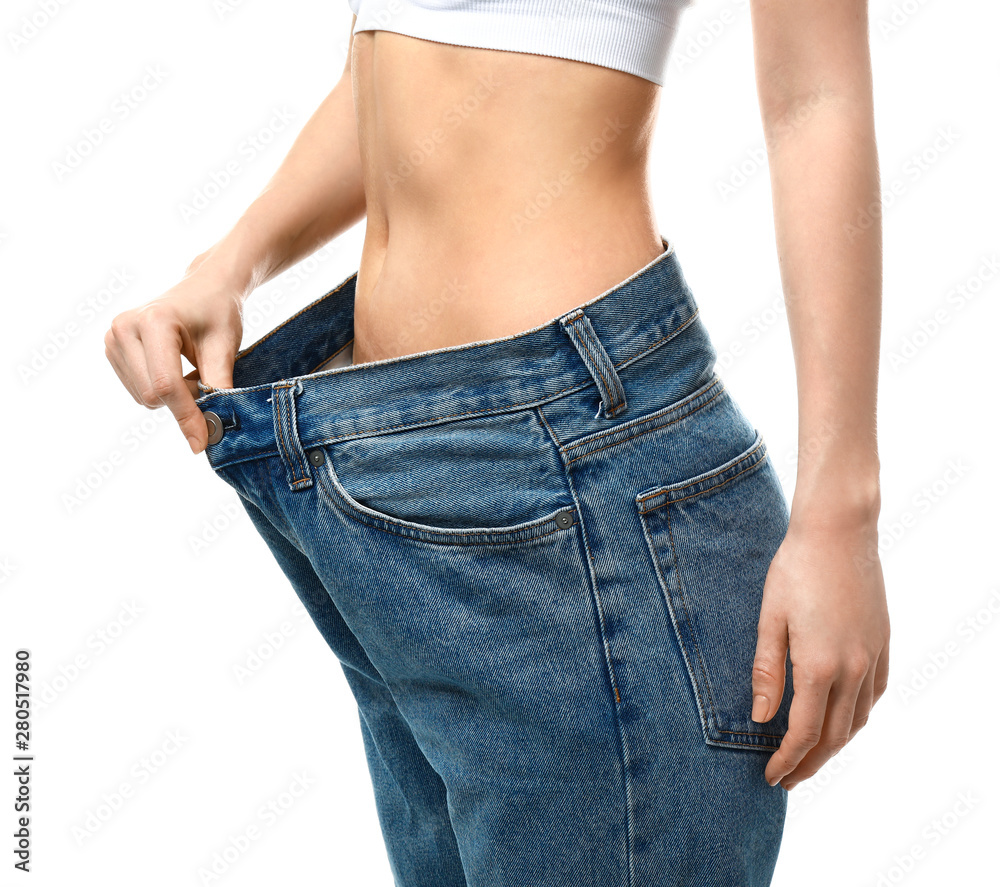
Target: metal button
x=317 y=456
x=214 y=426
x=565 y=518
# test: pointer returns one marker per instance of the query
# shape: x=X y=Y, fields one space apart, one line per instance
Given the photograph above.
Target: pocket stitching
x=668 y=489
x=680 y=588
x=436 y=535
x=694 y=638
x=664 y=585
x=654 y=418
x=765 y=740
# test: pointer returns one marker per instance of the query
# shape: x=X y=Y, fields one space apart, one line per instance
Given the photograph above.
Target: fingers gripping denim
x=540 y=561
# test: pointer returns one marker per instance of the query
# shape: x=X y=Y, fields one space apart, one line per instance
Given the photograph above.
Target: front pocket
x=483 y=480
x=712 y=538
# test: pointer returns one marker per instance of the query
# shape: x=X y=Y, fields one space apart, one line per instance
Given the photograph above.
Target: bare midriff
x=502 y=190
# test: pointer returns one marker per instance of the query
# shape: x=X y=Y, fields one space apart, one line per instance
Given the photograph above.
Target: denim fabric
x=540 y=562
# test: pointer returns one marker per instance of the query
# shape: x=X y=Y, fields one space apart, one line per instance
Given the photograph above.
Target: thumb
x=768 y=675
x=215 y=363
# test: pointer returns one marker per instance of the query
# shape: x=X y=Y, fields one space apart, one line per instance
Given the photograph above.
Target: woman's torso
x=502 y=189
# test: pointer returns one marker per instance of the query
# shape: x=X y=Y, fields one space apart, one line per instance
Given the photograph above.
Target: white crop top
x=627 y=35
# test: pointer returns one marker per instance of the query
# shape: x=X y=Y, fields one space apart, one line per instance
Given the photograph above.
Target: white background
x=912 y=800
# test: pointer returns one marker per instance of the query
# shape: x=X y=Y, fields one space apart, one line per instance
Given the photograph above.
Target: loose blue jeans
x=540 y=561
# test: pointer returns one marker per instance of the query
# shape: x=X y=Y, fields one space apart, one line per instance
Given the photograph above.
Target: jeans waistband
x=280 y=405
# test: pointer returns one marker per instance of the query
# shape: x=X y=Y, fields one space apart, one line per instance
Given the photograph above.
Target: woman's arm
x=316 y=193
x=824 y=599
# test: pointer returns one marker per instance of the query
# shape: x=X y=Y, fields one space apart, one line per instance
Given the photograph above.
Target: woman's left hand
x=824 y=603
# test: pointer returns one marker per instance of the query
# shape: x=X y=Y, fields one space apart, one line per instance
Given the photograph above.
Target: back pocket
x=712 y=538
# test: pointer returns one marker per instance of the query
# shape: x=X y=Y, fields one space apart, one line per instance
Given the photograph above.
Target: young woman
x=498 y=467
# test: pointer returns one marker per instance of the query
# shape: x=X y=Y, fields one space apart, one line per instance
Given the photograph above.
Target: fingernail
x=759 y=708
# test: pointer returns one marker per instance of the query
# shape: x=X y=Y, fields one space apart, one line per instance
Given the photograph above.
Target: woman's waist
x=596 y=359
x=437 y=282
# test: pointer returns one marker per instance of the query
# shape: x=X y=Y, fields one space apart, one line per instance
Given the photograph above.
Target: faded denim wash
x=540 y=561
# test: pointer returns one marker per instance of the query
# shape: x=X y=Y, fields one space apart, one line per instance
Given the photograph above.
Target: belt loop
x=286 y=433
x=577 y=326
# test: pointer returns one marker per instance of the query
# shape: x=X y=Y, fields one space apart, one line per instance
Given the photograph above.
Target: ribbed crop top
x=626 y=35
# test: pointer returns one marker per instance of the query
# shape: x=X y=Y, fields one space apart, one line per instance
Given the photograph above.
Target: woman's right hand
x=201 y=318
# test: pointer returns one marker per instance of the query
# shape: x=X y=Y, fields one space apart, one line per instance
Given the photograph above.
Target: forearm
x=316 y=194
x=824 y=176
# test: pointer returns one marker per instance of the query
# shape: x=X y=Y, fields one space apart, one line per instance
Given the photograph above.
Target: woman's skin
x=515 y=187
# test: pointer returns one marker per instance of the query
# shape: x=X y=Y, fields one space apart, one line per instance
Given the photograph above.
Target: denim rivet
x=317 y=456
x=564 y=518
x=214 y=426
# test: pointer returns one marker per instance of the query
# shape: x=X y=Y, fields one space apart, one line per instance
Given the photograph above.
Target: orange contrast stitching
x=413 y=533
x=664 y=490
x=647 y=430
